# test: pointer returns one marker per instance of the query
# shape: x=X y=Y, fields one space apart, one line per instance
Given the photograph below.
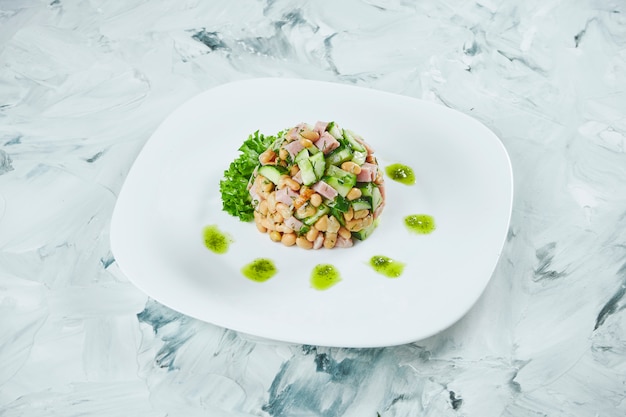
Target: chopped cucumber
x=319 y=165
x=341 y=187
x=361 y=204
x=371 y=192
x=321 y=210
x=307 y=172
x=340 y=180
x=334 y=130
x=349 y=136
x=303 y=154
x=340 y=155
x=340 y=204
x=333 y=171
x=377 y=198
x=272 y=172
x=366 y=188
x=365 y=233
x=359 y=157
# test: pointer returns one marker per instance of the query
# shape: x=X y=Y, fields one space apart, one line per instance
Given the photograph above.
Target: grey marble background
x=83 y=84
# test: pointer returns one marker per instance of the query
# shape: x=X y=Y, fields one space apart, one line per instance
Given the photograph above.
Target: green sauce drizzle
x=259 y=270
x=324 y=276
x=387 y=266
x=215 y=240
x=422 y=224
x=401 y=173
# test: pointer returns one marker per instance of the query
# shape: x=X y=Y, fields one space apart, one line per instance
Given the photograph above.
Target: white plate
x=464 y=181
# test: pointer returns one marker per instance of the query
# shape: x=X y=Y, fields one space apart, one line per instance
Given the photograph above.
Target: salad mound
x=317 y=186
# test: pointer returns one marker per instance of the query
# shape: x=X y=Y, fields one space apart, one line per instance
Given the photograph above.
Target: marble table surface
x=83 y=84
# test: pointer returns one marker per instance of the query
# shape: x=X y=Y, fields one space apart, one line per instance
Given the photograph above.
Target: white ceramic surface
x=464 y=180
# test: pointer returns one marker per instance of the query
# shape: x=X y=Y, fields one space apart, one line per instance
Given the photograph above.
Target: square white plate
x=464 y=180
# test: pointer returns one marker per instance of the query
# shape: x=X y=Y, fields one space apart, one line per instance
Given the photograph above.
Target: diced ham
x=293 y=223
x=286 y=196
x=325 y=190
x=326 y=143
x=293 y=134
x=293 y=148
x=320 y=127
x=343 y=243
x=298 y=177
x=319 y=241
x=368 y=172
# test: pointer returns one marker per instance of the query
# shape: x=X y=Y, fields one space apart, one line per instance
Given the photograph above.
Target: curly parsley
x=234 y=185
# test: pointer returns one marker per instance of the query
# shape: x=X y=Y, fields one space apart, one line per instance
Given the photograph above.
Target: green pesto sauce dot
x=259 y=270
x=401 y=173
x=216 y=240
x=420 y=223
x=324 y=276
x=387 y=266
